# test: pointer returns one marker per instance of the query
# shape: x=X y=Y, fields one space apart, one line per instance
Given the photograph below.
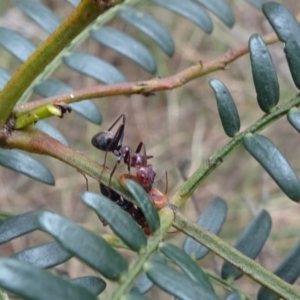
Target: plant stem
x=84 y=14
x=166 y=219
x=80 y=38
x=236 y=258
x=145 y=87
x=187 y=188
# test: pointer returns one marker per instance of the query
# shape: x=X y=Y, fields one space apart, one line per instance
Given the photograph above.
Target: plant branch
x=145 y=87
x=84 y=14
x=35 y=141
x=187 y=188
x=80 y=38
x=236 y=258
x=166 y=219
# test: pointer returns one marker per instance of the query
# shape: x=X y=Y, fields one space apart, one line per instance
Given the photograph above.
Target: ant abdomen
x=102 y=140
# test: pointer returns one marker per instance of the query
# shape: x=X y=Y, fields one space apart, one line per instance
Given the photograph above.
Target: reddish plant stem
x=145 y=87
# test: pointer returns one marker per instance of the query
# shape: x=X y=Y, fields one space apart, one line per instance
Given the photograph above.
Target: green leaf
x=189 y=266
x=94 y=284
x=32 y=283
x=87 y=64
x=150 y=27
x=221 y=9
x=74 y=2
x=4 y=77
x=189 y=10
x=264 y=74
x=143 y=284
x=176 y=283
x=293 y=117
x=212 y=220
x=288 y=270
x=135 y=296
x=125 y=45
x=257 y=3
x=88 y=247
x=16 y=226
x=227 y=110
x=51 y=130
x=44 y=256
x=119 y=220
x=271 y=159
x=16 y=44
x=24 y=164
x=288 y=31
x=144 y=202
x=42 y=15
x=250 y=242
x=234 y=296
x=86 y=108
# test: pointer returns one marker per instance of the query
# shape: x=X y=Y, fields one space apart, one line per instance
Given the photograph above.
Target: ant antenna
x=167 y=183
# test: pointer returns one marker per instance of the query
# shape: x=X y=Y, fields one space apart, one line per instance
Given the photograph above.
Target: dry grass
x=175 y=125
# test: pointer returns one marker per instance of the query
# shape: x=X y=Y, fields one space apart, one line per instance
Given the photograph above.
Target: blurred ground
x=176 y=126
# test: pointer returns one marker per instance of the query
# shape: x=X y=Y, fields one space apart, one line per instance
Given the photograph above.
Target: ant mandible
x=109 y=142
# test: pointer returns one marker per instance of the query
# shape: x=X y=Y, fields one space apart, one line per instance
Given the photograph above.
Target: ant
x=109 y=142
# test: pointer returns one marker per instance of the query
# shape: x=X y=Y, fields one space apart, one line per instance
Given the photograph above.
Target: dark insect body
x=134 y=211
x=109 y=142
x=113 y=142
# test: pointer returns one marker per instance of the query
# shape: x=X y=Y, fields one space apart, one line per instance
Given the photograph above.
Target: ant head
x=145 y=176
x=102 y=140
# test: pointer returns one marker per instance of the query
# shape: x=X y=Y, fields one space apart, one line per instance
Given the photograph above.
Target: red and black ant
x=110 y=142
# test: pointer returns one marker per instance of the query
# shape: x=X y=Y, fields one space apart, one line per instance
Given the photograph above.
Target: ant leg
x=114 y=169
x=123 y=116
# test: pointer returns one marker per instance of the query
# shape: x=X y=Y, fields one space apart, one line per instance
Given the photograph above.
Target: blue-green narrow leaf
x=44 y=256
x=257 y=3
x=189 y=10
x=264 y=74
x=250 y=242
x=287 y=29
x=150 y=27
x=94 y=284
x=227 y=110
x=221 y=9
x=88 y=247
x=86 y=108
x=293 y=117
x=16 y=226
x=4 y=77
x=189 y=266
x=126 y=45
x=144 y=202
x=74 y=2
x=42 y=15
x=234 y=296
x=16 y=44
x=87 y=64
x=34 y=283
x=51 y=130
x=176 y=283
x=119 y=220
x=271 y=159
x=24 y=164
x=212 y=219
x=288 y=270
x=135 y=296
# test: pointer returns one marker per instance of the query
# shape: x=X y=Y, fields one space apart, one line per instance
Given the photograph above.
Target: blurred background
x=180 y=128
